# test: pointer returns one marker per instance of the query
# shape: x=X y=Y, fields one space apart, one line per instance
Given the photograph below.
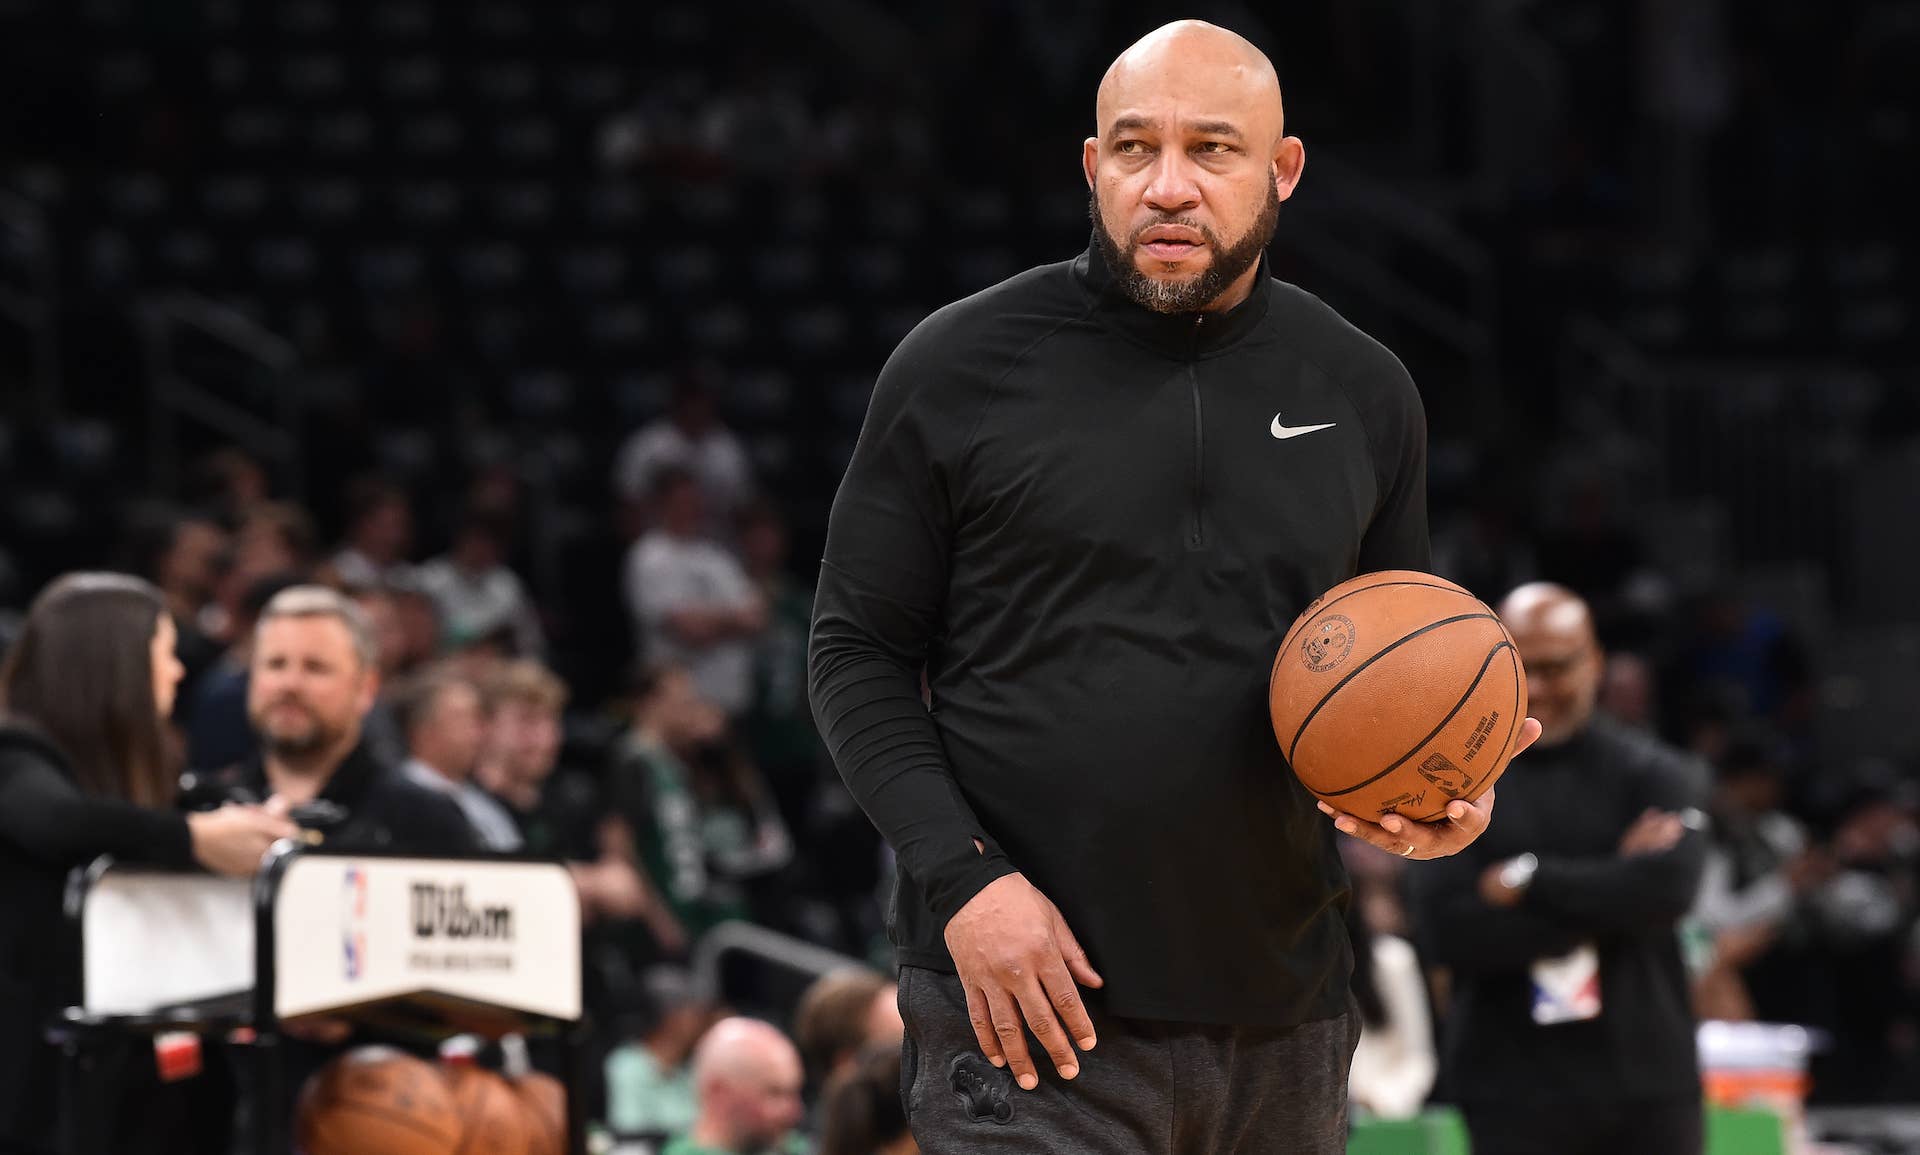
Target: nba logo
x=353 y=924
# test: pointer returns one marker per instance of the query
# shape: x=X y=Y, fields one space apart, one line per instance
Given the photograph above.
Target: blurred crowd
x=694 y=793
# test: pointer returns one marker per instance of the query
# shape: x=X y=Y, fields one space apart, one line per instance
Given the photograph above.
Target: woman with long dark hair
x=84 y=694
x=863 y=1114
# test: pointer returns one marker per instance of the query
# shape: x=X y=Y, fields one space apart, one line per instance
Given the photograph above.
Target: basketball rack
x=421 y=948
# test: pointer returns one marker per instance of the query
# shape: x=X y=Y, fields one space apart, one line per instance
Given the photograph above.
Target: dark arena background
x=452 y=306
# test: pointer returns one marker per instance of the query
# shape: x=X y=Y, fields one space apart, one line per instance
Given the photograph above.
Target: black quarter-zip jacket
x=1091 y=524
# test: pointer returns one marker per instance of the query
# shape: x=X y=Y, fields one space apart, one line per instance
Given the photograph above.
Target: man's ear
x=1089 y=156
x=1289 y=161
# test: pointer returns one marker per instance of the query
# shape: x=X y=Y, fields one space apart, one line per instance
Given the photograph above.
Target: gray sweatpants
x=1147 y=1088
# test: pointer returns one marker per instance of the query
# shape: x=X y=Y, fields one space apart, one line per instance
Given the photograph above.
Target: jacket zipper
x=1197 y=534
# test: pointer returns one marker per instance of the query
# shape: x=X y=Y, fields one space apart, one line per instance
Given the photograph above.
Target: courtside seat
x=818 y=332
x=237 y=198
x=189 y=256
x=308 y=19
x=594 y=270
x=508 y=84
x=772 y=454
x=540 y=395
x=522 y=205
x=427 y=204
x=687 y=269
x=231 y=73
x=412 y=78
x=760 y=396
x=639 y=397
x=109 y=261
x=346 y=134
x=257 y=128
x=593 y=88
x=613 y=206
x=136 y=197
x=618 y=328
x=1881 y=320
x=312 y=78
x=430 y=136
x=500 y=20
x=285 y=260
x=401 y=20
x=786 y=270
x=804 y=216
x=527 y=140
x=720 y=328
x=404 y=452
x=389 y=268
x=876 y=270
x=329 y=202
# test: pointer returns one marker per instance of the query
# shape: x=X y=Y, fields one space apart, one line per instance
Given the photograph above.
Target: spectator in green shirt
x=778 y=726
x=701 y=815
x=748 y=1078
x=650 y=1087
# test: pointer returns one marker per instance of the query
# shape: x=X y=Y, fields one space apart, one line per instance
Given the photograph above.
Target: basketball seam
x=472 y=1116
x=1513 y=663
x=1451 y=715
x=1519 y=680
x=412 y=1121
x=1363 y=666
x=1287 y=641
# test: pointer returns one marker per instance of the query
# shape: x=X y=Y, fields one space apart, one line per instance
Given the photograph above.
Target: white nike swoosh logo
x=1282 y=432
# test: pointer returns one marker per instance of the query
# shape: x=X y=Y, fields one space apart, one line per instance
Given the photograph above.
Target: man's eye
x=1130 y=147
x=1215 y=146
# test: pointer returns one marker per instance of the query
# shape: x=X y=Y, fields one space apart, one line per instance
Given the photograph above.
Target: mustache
x=1133 y=238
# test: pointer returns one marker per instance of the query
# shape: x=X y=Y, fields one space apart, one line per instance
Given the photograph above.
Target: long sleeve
x=1457 y=928
x=46 y=816
x=1605 y=895
x=1613 y=894
x=883 y=586
x=1398 y=537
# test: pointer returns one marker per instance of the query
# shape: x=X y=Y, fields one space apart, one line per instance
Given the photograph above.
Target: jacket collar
x=1182 y=336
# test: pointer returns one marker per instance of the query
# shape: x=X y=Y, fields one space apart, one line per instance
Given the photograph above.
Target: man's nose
x=1172 y=188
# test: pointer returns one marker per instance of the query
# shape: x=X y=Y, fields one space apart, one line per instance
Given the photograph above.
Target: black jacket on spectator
x=1569 y=805
x=380 y=809
x=1092 y=525
x=48 y=827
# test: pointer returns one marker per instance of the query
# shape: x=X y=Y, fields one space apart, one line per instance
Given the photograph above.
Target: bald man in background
x=748 y=1077
x=1570 y=1028
x=1088 y=502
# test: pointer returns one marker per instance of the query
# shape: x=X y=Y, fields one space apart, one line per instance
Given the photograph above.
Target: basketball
x=494 y=1120
x=1397 y=692
x=545 y=1100
x=377 y=1099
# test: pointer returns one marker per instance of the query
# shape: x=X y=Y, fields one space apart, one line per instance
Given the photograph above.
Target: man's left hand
x=1404 y=838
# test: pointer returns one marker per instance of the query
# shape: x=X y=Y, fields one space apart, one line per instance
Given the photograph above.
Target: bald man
x=1571 y=1029
x=1088 y=502
x=748 y=1079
